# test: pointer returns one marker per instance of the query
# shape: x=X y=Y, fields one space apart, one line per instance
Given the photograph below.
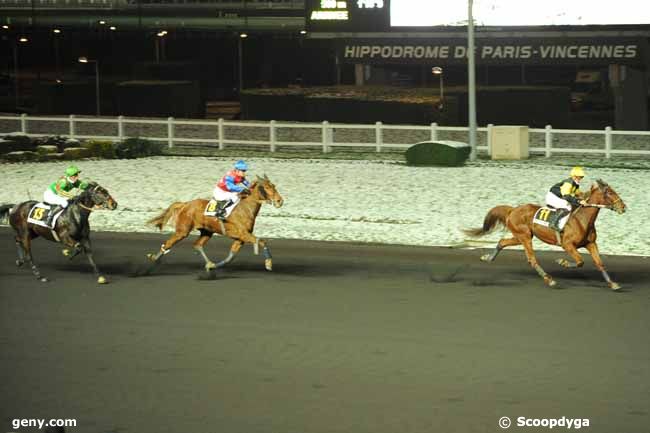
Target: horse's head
x=603 y=194
x=265 y=191
x=100 y=197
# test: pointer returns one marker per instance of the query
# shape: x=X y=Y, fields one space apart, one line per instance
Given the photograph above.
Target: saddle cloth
x=39 y=213
x=543 y=216
x=211 y=208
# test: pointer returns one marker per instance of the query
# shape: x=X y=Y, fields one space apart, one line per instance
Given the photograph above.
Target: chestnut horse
x=71 y=229
x=188 y=216
x=580 y=230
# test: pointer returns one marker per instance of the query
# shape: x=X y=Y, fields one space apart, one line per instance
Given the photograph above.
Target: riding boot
x=53 y=211
x=221 y=209
x=554 y=222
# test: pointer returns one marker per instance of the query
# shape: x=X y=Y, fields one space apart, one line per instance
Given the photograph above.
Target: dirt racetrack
x=350 y=338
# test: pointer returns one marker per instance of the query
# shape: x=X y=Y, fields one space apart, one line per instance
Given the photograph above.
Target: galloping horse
x=579 y=232
x=188 y=216
x=71 y=228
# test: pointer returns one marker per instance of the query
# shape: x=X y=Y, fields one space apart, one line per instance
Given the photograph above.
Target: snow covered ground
x=359 y=201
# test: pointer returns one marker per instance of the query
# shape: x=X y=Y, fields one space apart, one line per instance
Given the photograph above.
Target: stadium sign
x=496 y=51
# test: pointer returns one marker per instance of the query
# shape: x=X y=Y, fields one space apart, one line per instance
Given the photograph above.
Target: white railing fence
x=221 y=133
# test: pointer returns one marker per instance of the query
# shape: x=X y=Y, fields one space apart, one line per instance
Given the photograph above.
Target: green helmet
x=72 y=170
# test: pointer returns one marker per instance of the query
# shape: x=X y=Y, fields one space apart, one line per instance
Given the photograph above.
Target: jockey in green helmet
x=59 y=192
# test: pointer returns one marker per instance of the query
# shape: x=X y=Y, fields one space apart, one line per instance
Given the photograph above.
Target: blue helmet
x=241 y=165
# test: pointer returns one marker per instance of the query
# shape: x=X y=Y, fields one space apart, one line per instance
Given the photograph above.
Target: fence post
x=170 y=131
x=379 y=139
x=73 y=131
x=325 y=135
x=434 y=131
x=608 y=142
x=272 y=134
x=23 y=123
x=488 y=140
x=120 y=128
x=548 y=140
x=220 y=130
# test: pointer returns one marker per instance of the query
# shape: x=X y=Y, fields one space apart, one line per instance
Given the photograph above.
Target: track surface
x=338 y=338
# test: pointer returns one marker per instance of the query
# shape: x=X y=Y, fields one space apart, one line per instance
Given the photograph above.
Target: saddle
x=216 y=208
x=39 y=214
x=544 y=216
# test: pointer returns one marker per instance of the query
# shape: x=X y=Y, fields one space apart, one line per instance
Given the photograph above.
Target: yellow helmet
x=577 y=172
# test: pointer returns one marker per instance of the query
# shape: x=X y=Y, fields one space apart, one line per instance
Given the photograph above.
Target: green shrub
x=444 y=153
x=15 y=143
x=100 y=148
x=61 y=143
x=76 y=153
x=45 y=149
x=137 y=148
x=21 y=155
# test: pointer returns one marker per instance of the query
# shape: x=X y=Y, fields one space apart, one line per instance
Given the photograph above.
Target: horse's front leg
x=532 y=260
x=85 y=246
x=595 y=255
x=575 y=255
x=198 y=246
x=257 y=243
x=234 y=250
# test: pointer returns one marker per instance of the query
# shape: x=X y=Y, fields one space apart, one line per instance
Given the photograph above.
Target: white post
x=489 y=139
x=120 y=128
x=325 y=135
x=272 y=134
x=379 y=139
x=73 y=131
x=23 y=123
x=220 y=130
x=434 y=131
x=608 y=142
x=170 y=131
x=471 y=80
x=548 y=140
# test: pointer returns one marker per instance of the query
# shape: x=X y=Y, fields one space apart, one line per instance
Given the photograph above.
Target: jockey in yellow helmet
x=564 y=196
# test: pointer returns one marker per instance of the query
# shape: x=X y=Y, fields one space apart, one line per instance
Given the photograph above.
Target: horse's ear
x=602 y=184
x=258 y=179
x=266 y=177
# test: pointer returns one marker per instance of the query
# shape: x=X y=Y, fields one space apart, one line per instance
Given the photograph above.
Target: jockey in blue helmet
x=228 y=189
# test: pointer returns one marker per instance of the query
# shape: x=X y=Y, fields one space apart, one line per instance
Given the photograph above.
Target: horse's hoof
x=102 y=280
x=42 y=279
x=151 y=257
x=485 y=258
x=66 y=252
x=210 y=266
x=561 y=262
x=268 y=264
x=550 y=282
x=19 y=263
x=614 y=286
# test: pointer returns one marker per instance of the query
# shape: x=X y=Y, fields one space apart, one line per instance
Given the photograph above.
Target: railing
x=324 y=135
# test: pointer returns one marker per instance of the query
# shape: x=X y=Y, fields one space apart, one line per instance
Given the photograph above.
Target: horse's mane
x=85 y=193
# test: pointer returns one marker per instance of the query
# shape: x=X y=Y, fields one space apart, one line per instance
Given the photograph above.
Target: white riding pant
x=51 y=198
x=221 y=195
x=559 y=203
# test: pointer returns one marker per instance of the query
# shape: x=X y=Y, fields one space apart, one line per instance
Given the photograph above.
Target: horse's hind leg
x=234 y=250
x=21 y=253
x=165 y=248
x=595 y=255
x=198 y=246
x=505 y=242
x=532 y=260
x=26 y=243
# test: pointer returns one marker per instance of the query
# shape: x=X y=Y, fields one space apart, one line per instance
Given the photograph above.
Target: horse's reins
x=603 y=206
x=90 y=209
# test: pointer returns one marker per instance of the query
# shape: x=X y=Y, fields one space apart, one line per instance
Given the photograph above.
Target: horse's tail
x=169 y=213
x=496 y=216
x=4 y=211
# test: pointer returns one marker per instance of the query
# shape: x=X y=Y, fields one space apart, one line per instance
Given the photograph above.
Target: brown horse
x=580 y=230
x=188 y=216
x=71 y=229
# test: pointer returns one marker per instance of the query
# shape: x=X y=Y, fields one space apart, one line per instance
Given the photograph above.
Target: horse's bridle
x=93 y=190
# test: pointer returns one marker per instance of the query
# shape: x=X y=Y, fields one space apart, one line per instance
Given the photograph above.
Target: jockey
x=58 y=192
x=227 y=190
x=564 y=196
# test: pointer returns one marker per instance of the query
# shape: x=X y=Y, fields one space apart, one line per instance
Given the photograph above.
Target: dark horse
x=189 y=216
x=580 y=230
x=71 y=228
